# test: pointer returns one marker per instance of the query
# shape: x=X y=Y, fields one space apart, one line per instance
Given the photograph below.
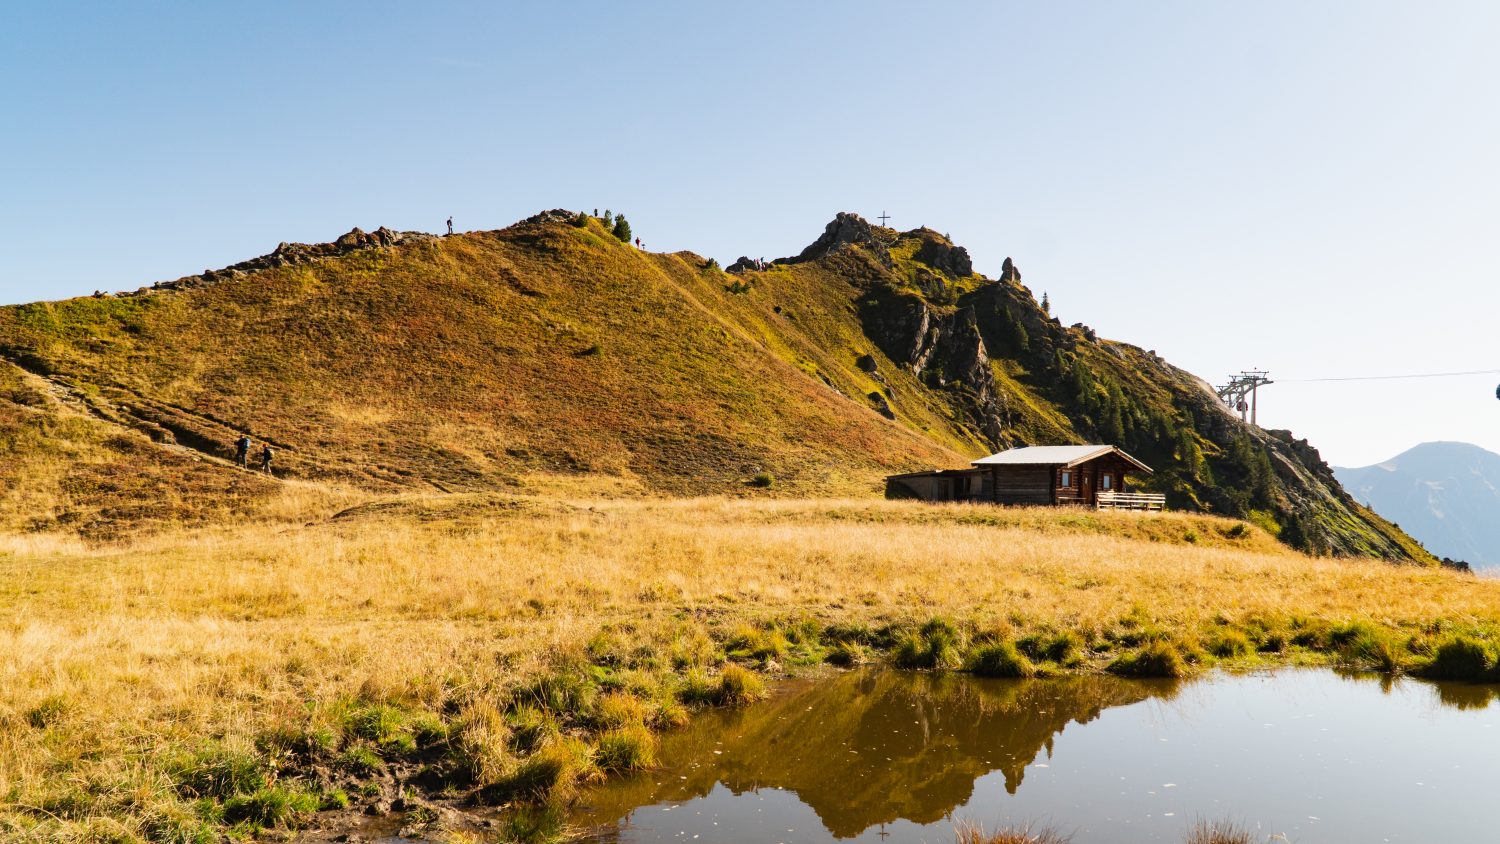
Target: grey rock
x=945 y=257
x=380 y=808
x=845 y=230
x=556 y=215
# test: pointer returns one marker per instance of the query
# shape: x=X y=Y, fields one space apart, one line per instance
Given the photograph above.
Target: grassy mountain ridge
x=549 y=351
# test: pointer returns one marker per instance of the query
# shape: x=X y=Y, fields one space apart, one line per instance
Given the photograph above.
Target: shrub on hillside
x=621 y=229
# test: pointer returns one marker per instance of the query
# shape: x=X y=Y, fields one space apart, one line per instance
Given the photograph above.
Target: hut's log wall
x=1023 y=484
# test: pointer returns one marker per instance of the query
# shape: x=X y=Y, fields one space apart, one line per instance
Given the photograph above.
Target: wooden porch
x=1131 y=501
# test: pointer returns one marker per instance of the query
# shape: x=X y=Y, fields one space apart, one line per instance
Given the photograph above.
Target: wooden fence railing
x=1132 y=501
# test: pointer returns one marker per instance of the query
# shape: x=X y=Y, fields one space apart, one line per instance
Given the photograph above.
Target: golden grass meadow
x=501 y=650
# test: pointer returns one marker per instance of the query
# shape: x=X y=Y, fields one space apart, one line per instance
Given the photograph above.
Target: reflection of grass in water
x=1466 y=696
x=534 y=825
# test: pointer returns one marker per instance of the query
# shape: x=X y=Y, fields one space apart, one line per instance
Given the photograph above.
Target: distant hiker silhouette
x=242 y=451
x=450 y=225
x=265 y=459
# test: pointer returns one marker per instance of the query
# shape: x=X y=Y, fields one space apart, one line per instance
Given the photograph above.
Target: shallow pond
x=888 y=756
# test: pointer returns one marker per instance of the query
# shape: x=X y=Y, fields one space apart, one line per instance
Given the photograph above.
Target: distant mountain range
x=1445 y=494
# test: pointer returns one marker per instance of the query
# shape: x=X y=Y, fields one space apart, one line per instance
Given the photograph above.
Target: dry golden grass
x=972 y=833
x=134 y=652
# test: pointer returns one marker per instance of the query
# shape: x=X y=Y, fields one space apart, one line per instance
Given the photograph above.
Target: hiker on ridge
x=265 y=459
x=450 y=224
x=242 y=451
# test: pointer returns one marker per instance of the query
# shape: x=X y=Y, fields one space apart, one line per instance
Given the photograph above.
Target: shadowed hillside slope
x=551 y=350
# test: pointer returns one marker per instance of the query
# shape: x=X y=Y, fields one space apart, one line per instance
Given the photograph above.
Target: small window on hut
x=1106 y=481
x=1067 y=480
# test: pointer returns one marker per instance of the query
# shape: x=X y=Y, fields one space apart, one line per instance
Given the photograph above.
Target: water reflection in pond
x=894 y=756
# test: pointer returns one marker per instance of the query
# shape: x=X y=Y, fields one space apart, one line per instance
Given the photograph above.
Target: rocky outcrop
x=847 y=229
x=941 y=255
x=556 y=215
x=744 y=264
x=943 y=348
x=289 y=254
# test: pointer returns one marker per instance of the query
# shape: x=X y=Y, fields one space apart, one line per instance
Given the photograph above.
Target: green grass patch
x=271 y=807
x=935 y=645
x=1000 y=659
x=631 y=748
x=1157 y=659
x=1462 y=658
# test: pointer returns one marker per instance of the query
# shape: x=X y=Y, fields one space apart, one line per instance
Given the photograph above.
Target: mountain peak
x=845 y=228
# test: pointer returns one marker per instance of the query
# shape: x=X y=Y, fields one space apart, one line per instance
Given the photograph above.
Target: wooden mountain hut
x=1082 y=475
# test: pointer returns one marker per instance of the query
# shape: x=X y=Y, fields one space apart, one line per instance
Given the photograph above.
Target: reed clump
x=936 y=644
x=1156 y=659
x=1000 y=659
x=1218 y=832
x=971 y=833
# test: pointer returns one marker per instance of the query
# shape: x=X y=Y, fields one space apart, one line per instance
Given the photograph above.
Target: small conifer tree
x=622 y=228
x=1046 y=304
x=609 y=219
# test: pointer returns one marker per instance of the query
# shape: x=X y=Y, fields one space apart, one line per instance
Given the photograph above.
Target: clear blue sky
x=1310 y=188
